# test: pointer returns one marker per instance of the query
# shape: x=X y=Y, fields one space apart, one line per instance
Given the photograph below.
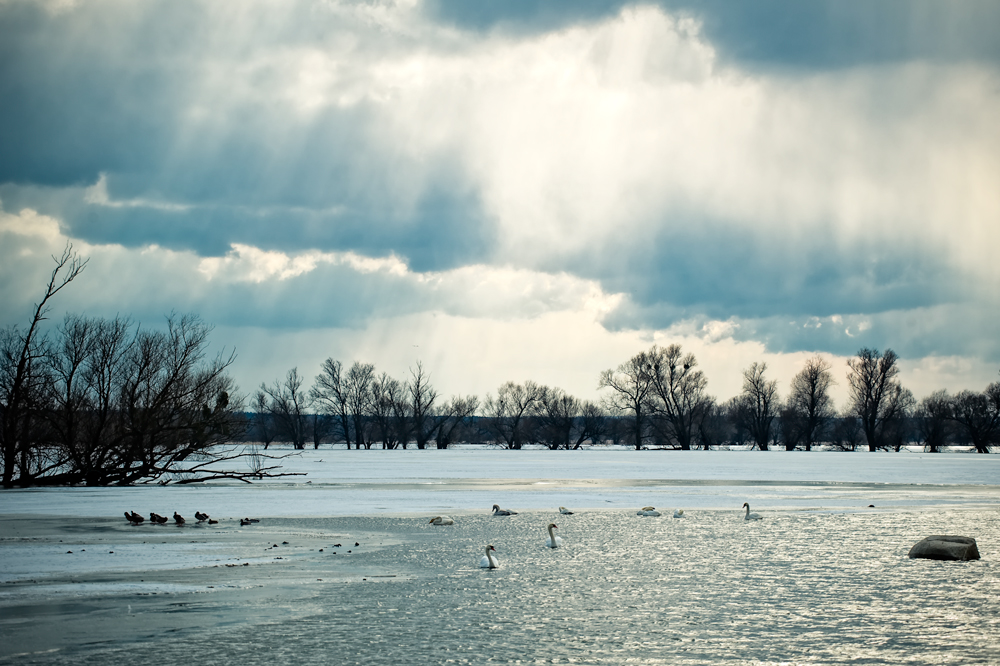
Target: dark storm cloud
x=914 y=333
x=115 y=90
x=720 y=271
x=440 y=231
x=793 y=296
x=78 y=99
x=820 y=35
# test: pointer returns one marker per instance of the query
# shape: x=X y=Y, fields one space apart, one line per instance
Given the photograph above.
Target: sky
x=515 y=190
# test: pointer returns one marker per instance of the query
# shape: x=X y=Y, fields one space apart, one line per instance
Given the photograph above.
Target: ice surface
x=821 y=560
x=340 y=482
x=464 y=482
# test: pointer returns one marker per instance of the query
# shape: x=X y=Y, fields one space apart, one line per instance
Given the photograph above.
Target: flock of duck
x=489 y=560
x=155 y=518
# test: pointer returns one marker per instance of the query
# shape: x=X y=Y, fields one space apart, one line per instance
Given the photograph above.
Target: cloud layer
x=632 y=172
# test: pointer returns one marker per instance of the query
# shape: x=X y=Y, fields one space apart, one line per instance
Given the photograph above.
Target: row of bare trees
x=358 y=406
x=105 y=401
x=363 y=408
x=657 y=398
x=662 y=397
x=531 y=413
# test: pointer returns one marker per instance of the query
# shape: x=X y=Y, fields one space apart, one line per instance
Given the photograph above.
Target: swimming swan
x=648 y=511
x=678 y=513
x=553 y=541
x=564 y=511
x=488 y=561
x=497 y=511
x=442 y=520
x=751 y=516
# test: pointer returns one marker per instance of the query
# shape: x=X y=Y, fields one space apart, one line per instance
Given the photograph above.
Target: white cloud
x=250 y=264
x=596 y=135
x=28 y=223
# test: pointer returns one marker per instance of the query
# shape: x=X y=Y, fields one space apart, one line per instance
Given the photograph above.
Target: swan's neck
x=552 y=535
x=748 y=510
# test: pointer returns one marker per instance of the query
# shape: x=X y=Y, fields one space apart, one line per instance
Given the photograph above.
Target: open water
x=798 y=587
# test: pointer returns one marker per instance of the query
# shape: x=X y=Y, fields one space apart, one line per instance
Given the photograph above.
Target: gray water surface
x=796 y=587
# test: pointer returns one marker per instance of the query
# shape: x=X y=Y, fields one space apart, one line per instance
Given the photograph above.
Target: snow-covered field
x=345 y=483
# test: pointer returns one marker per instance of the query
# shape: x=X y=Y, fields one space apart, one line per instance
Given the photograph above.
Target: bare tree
x=389 y=411
x=69 y=397
x=286 y=402
x=557 y=414
x=846 y=433
x=86 y=370
x=21 y=382
x=422 y=397
x=593 y=424
x=932 y=420
x=263 y=424
x=876 y=394
x=619 y=427
x=632 y=386
x=331 y=395
x=713 y=425
x=105 y=375
x=680 y=392
x=789 y=428
x=757 y=404
x=566 y=422
x=978 y=416
x=507 y=414
x=897 y=429
x=451 y=417
x=810 y=407
x=172 y=408
x=358 y=385
x=121 y=407
x=738 y=417
x=320 y=428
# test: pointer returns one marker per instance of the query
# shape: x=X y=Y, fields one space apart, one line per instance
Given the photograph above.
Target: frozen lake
x=824 y=578
x=348 y=483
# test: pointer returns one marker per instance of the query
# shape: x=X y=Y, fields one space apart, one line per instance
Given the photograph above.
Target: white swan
x=442 y=520
x=497 y=511
x=564 y=511
x=648 y=511
x=488 y=561
x=553 y=541
x=678 y=513
x=751 y=516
